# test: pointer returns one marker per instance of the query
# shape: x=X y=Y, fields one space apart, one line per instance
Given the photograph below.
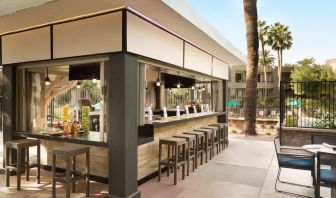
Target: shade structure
x=295 y=103
x=233 y=103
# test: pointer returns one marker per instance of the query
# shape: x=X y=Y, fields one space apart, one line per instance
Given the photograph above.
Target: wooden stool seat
x=20 y=164
x=209 y=142
x=199 y=150
x=176 y=156
x=217 y=136
x=224 y=140
x=70 y=150
x=191 y=149
x=70 y=177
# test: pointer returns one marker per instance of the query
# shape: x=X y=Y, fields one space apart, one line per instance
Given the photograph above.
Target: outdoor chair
x=293 y=158
x=326 y=171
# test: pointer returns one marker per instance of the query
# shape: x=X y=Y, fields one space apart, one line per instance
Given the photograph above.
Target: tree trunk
x=252 y=41
x=279 y=68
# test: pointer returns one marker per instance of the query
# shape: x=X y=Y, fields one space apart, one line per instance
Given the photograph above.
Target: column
x=8 y=102
x=122 y=74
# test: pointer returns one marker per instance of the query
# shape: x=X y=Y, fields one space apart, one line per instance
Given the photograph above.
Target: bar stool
x=216 y=137
x=191 y=149
x=224 y=133
x=70 y=154
x=176 y=156
x=20 y=164
x=200 y=140
x=209 y=142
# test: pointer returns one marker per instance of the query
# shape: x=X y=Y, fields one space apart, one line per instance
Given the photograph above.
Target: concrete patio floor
x=248 y=168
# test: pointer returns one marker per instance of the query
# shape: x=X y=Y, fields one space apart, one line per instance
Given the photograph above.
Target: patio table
x=314 y=148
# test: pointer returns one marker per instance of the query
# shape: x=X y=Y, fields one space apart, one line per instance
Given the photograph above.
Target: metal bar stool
x=200 y=140
x=176 y=156
x=209 y=140
x=70 y=154
x=191 y=149
x=224 y=139
x=216 y=137
x=21 y=164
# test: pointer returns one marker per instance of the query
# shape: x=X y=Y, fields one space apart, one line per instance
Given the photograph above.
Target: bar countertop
x=183 y=118
x=93 y=138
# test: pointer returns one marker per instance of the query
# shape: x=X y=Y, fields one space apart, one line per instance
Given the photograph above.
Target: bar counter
x=147 y=144
x=148 y=153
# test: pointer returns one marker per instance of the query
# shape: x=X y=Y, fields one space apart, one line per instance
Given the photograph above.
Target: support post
x=8 y=105
x=224 y=118
x=122 y=74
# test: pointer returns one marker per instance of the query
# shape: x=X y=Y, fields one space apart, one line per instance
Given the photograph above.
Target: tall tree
x=280 y=39
x=252 y=43
x=263 y=39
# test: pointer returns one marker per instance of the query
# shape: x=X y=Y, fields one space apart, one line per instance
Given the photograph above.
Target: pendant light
x=146 y=89
x=47 y=81
x=203 y=88
x=158 y=83
x=78 y=85
x=94 y=79
x=178 y=85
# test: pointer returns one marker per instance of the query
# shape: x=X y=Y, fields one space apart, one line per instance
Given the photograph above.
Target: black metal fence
x=308 y=104
x=267 y=107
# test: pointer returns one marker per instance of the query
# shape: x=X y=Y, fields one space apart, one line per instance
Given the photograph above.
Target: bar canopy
x=177 y=19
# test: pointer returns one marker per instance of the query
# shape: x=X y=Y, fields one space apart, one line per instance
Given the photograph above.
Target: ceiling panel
x=11 y=6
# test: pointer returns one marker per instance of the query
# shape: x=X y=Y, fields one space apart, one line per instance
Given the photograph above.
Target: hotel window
x=61 y=99
x=239 y=77
x=261 y=78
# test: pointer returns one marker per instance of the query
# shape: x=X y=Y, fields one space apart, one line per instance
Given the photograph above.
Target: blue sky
x=312 y=23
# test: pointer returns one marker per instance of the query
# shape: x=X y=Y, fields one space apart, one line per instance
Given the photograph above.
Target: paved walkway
x=247 y=169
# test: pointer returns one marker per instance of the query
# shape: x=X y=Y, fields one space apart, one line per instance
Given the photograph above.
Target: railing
x=267 y=107
x=308 y=104
x=261 y=112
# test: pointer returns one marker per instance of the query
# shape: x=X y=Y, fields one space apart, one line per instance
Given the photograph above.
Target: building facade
x=266 y=87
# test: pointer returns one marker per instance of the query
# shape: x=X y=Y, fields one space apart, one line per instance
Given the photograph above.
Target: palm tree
x=266 y=60
x=263 y=39
x=252 y=42
x=280 y=38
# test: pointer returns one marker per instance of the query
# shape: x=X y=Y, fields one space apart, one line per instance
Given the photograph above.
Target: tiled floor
x=247 y=169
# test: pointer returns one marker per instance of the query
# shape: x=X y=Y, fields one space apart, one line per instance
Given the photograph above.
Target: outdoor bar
x=115 y=81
